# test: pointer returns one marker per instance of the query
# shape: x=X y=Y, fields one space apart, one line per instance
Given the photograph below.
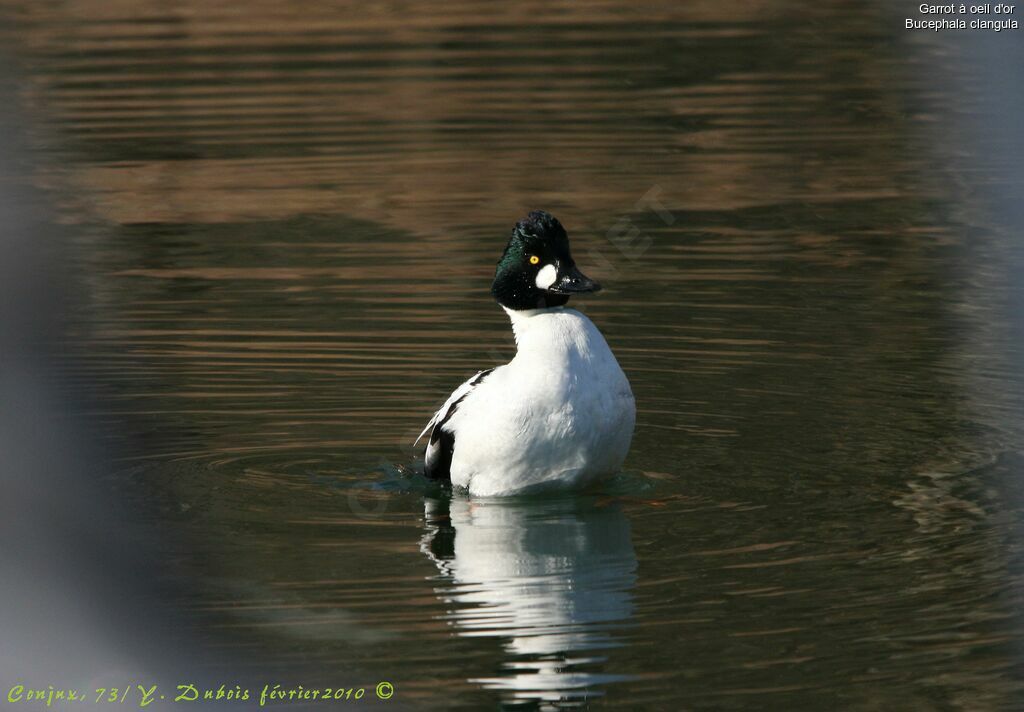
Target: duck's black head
x=536 y=270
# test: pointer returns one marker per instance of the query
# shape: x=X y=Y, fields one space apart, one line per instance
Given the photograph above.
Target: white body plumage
x=560 y=415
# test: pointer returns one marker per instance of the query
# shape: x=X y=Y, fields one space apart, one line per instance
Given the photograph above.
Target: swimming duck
x=559 y=415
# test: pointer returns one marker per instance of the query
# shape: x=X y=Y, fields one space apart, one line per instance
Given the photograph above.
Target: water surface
x=286 y=223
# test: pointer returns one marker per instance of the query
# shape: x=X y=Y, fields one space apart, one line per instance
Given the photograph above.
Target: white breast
x=559 y=415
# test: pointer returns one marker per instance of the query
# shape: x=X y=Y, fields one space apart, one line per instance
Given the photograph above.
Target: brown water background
x=285 y=222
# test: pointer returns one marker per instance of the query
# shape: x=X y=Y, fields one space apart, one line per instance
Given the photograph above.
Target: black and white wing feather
x=441 y=445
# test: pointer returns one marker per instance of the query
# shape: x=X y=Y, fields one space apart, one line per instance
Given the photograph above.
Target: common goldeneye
x=560 y=415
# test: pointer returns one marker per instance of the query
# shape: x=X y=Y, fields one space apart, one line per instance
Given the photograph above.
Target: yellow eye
x=534 y=259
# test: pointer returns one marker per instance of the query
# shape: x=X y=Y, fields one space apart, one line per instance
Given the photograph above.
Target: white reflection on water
x=552 y=578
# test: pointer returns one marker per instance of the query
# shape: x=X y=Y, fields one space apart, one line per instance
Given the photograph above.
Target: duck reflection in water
x=554 y=578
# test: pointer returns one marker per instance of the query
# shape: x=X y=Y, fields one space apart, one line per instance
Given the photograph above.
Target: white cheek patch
x=546 y=277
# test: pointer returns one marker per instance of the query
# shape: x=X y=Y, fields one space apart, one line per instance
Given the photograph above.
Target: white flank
x=559 y=415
